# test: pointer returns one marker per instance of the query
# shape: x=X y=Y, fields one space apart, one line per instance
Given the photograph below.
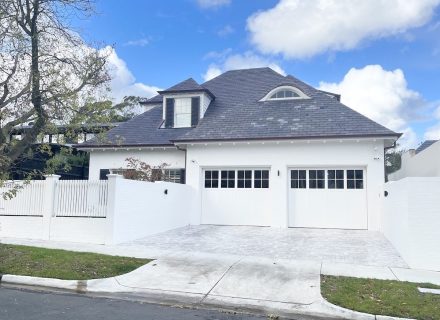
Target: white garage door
x=328 y=198
x=233 y=196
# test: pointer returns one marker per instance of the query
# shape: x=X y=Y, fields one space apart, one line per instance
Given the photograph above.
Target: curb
x=356 y=315
x=79 y=286
x=108 y=286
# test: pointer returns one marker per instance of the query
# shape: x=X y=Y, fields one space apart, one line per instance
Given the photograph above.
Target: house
x=421 y=162
x=258 y=148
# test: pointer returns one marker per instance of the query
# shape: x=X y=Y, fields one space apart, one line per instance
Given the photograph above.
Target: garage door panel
x=328 y=208
x=236 y=207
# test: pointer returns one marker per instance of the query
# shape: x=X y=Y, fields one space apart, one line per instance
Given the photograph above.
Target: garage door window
x=244 y=179
x=335 y=179
x=228 y=178
x=211 y=179
x=316 y=179
x=355 y=179
x=261 y=179
x=298 y=179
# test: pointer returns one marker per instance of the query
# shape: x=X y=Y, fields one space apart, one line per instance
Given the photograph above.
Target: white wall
x=411 y=220
x=77 y=229
x=21 y=227
x=423 y=164
x=135 y=209
x=114 y=159
x=280 y=157
x=143 y=208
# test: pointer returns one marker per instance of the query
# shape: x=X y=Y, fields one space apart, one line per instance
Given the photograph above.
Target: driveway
x=258 y=268
x=360 y=247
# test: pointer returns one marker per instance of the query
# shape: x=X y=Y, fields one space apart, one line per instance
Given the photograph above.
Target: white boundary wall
x=411 y=220
x=423 y=164
x=135 y=209
x=144 y=208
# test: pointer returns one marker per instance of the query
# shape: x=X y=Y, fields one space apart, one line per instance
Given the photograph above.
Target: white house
x=258 y=148
x=422 y=162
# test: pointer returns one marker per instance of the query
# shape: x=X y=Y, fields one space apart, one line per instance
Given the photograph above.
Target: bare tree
x=48 y=74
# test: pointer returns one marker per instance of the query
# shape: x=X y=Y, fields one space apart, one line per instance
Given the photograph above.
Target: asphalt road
x=18 y=304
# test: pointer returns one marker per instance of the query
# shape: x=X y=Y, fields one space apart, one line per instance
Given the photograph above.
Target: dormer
x=286 y=92
x=185 y=104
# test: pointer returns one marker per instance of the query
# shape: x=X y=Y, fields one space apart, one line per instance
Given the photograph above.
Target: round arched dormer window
x=285 y=93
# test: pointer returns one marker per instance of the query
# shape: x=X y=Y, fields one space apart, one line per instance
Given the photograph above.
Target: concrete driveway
x=359 y=247
x=258 y=268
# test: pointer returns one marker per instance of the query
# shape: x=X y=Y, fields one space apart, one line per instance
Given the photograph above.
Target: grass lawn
x=61 y=264
x=381 y=297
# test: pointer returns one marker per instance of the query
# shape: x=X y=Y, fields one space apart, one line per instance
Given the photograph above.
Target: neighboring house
x=258 y=148
x=422 y=162
x=56 y=137
x=64 y=135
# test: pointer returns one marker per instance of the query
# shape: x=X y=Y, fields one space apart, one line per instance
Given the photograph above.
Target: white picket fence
x=81 y=198
x=68 y=198
x=28 y=201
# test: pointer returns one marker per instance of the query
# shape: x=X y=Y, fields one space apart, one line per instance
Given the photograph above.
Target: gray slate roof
x=426 y=144
x=238 y=114
x=186 y=85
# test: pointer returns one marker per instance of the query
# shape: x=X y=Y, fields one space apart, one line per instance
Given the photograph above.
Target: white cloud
x=213 y=3
x=123 y=82
x=142 y=42
x=225 y=31
x=381 y=95
x=433 y=133
x=299 y=29
x=241 y=61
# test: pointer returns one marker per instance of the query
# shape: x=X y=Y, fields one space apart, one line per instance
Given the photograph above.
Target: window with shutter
x=195 y=111
x=169 y=113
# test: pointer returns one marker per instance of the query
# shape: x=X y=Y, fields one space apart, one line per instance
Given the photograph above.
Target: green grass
x=61 y=264
x=382 y=297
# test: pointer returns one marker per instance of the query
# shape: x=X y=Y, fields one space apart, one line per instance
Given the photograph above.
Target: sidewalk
x=280 y=287
x=275 y=286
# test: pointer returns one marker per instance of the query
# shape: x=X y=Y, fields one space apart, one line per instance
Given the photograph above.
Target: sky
x=383 y=57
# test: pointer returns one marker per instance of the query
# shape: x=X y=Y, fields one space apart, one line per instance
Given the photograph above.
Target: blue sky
x=383 y=58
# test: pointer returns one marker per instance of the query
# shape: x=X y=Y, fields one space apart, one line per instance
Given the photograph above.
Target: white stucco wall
x=423 y=164
x=142 y=208
x=411 y=220
x=114 y=159
x=280 y=157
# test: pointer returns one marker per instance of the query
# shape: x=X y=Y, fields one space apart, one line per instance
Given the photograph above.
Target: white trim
x=301 y=94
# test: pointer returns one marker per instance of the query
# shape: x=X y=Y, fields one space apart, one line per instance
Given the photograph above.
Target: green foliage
x=393 y=160
x=382 y=297
x=60 y=264
x=64 y=160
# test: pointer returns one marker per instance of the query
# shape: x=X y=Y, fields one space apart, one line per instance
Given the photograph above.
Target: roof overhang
x=209 y=93
x=390 y=137
x=127 y=147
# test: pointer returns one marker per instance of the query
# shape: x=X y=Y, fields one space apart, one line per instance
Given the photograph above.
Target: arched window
x=285 y=93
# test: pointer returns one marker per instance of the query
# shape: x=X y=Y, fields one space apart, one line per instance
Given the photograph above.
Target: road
x=18 y=304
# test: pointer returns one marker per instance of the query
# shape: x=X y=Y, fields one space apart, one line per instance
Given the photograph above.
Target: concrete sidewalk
x=281 y=287
x=242 y=268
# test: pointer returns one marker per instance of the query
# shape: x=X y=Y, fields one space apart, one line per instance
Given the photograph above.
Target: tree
x=393 y=161
x=139 y=170
x=48 y=74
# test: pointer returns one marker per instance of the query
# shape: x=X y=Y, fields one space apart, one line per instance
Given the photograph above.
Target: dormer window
x=182 y=112
x=285 y=93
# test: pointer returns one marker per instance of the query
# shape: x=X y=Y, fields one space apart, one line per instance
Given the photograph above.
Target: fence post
x=111 y=206
x=49 y=203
